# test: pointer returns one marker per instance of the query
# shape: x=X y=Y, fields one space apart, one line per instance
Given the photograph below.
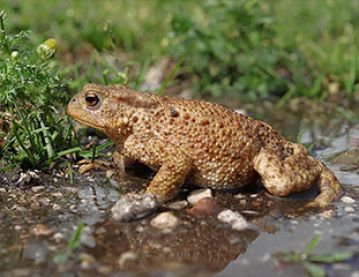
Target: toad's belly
x=223 y=176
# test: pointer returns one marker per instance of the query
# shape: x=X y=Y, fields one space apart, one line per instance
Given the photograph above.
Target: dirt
x=40 y=214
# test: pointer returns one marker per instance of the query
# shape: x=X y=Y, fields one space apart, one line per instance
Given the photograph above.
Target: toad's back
x=221 y=142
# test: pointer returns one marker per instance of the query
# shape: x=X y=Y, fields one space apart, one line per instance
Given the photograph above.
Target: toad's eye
x=92 y=99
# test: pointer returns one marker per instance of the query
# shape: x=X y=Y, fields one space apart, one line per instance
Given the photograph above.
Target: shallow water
x=198 y=245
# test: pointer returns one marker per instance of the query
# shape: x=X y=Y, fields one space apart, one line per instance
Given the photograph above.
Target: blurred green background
x=248 y=49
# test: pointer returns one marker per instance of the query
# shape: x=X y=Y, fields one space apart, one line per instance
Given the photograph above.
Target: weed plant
x=32 y=97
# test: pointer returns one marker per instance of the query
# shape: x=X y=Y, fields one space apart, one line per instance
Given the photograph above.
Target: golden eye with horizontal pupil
x=92 y=99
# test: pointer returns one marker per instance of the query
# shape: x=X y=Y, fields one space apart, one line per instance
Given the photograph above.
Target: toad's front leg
x=172 y=164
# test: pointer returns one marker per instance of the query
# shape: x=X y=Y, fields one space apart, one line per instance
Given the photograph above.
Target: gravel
x=134 y=206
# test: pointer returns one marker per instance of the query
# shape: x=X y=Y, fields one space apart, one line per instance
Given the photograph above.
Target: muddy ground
x=39 y=213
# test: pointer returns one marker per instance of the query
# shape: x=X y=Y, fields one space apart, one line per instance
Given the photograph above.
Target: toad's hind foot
x=296 y=173
x=330 y=188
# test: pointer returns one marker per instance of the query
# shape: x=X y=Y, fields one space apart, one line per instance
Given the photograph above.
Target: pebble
x=165 y=220
x=109 y=173
x=42 y=230
x=134 y=206
x=58 y=237
x=17 y=227
x=3 y=190
x=198 y=194
x=327 y=214
x=250 y=212
x=347 y=199
x=235 y=219
x=178 y=205
x=87 y=261
x=56 y=207
x=126 y=257
x=37 y=188
x=349 y=209
x=205 y=206
x=239 y=196
x=243 y=202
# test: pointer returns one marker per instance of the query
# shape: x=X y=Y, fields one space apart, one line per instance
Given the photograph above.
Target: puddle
x=37 y=223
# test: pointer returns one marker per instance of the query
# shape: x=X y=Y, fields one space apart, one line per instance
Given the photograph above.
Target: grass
x=311 y=262
x=247 y=48
x=72 y=245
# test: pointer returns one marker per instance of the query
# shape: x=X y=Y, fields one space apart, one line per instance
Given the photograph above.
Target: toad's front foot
x=134 y=206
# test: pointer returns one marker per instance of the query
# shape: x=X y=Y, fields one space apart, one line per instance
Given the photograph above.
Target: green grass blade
x=312 y=244
x=314 y=270
x=335 y=257
x=75 y=238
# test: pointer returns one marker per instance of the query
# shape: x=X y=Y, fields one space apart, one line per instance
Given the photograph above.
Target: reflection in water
x=205 y=244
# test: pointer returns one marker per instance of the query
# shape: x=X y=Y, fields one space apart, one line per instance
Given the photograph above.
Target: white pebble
x=126 y=257
x=37 y=188
x=347 y=199
x=349 y=209
x=164 y=220
x=178 y=205
x=198 y=194
x=235 y=219
x=17 y=227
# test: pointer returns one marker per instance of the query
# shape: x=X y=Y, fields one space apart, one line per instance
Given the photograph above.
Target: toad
x=204 y=143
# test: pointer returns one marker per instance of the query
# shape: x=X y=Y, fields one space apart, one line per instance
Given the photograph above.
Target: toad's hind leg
x=297 y=172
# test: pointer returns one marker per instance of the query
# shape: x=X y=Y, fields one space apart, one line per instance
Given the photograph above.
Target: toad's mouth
x=89 y=124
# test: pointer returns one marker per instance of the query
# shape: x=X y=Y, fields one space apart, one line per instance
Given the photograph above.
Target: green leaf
x=290 y=256
x=75 y=238
x=312 y=244
x=314 y=270
x=331 y=258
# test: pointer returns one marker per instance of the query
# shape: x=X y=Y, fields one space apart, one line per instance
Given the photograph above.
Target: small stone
x=239 y=196
x=42 y=230
x=58 y=237
x=3 y=190
x=139 y=229
x=327 y=214
x=127 y=257
x=87 y=261
x=198 y=194
x=17 y=228
x=347 y=199
x=165 y=220
x=37 y=189
x=109 y=173
x=205 y=206
x=134 y=206
x=87 y=168
x=349 y=209
x=250 y=212
x=235 y=219
x=178 y=205
x=56 y=207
